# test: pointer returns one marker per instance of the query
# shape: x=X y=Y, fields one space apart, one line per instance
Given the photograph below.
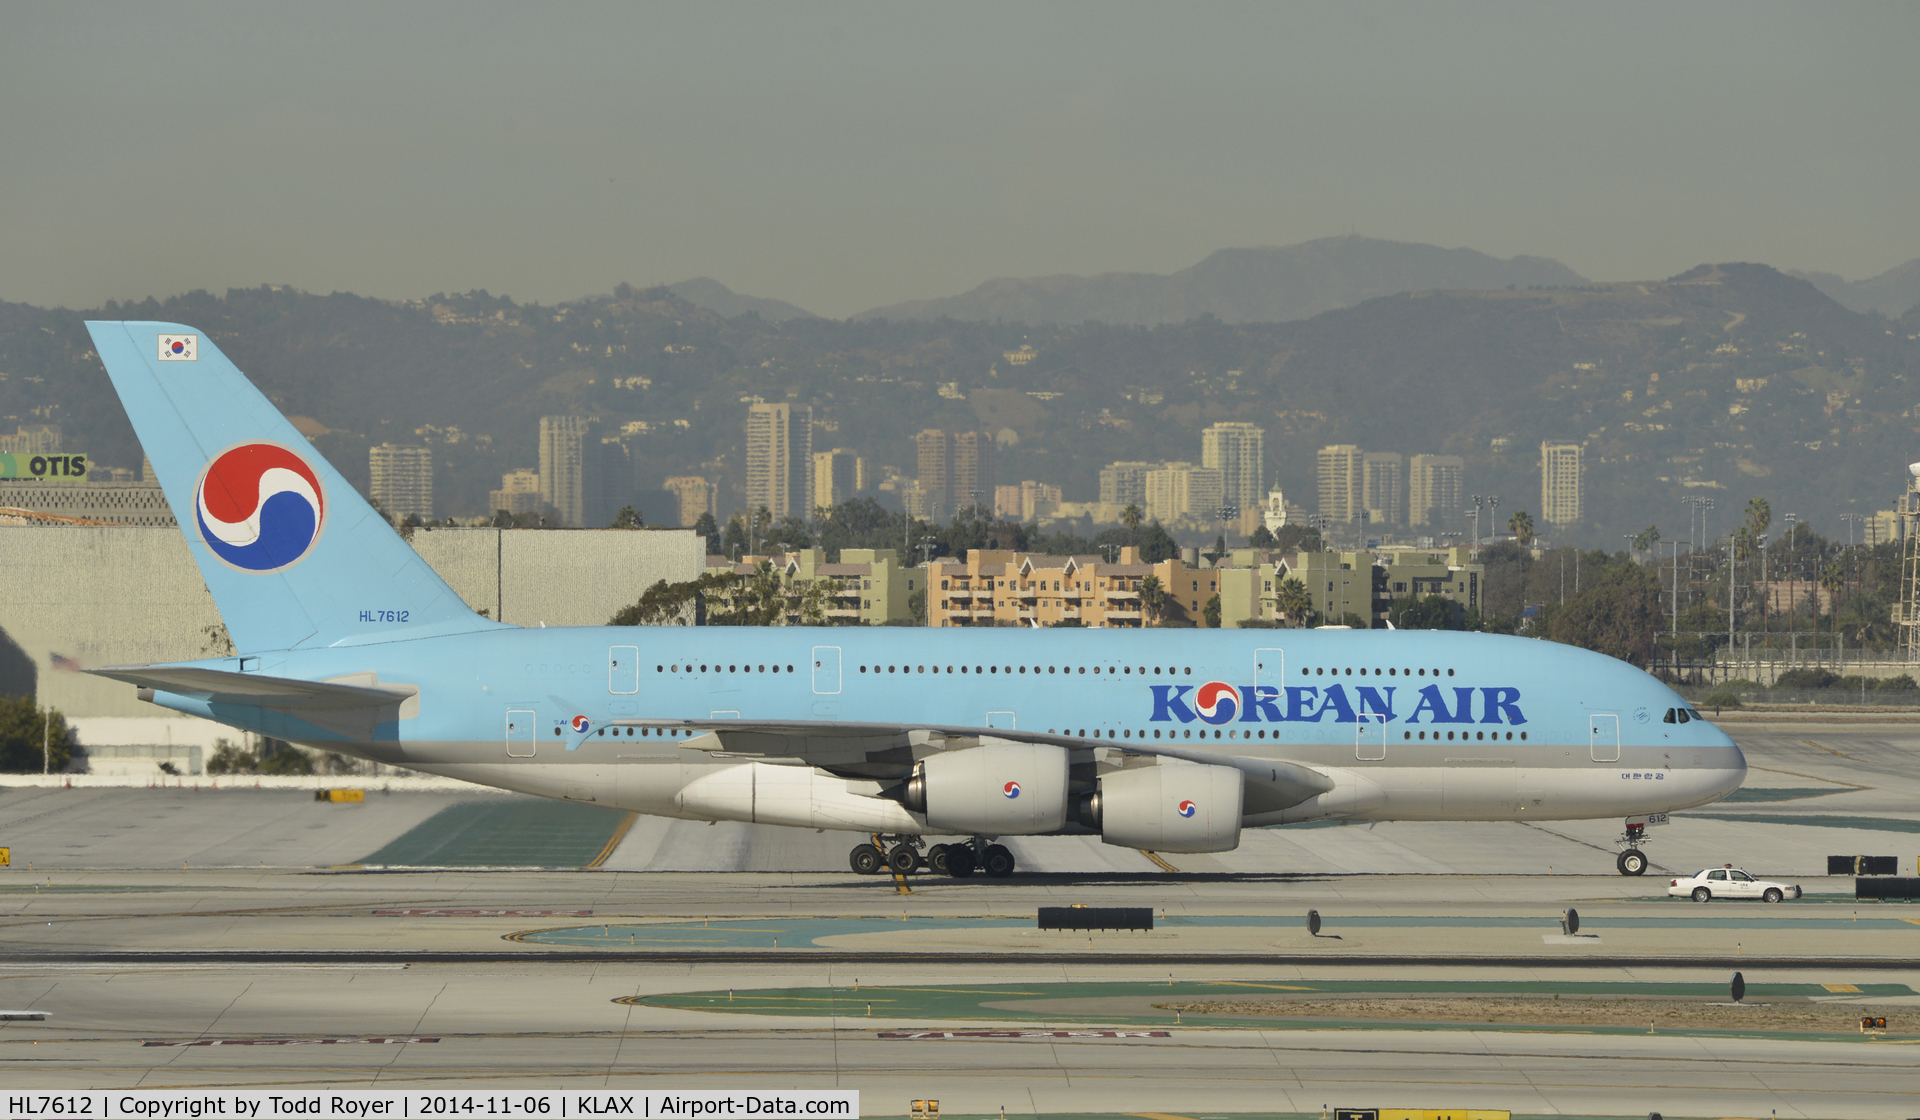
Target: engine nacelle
x=999 y=789
x=1175 y=806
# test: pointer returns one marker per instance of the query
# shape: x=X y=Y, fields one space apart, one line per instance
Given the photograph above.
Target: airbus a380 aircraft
x=1163 y=740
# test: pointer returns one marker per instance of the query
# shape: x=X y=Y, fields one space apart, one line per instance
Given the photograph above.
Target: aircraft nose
x=1732 y=763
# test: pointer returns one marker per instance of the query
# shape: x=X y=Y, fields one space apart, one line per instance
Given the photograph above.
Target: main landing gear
x=903 y=857
x=1632 y=860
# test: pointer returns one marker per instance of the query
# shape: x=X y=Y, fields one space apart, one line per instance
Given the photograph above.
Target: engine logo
x=1187 y=808
x=1011 y=789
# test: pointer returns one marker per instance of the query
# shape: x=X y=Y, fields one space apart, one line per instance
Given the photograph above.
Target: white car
x=1730 y=882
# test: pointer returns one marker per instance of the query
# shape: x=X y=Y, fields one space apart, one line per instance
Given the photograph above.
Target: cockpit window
x=1669 y=717
x=1684 y=717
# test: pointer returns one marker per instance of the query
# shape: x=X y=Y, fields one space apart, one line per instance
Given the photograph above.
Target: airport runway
x=514 y=971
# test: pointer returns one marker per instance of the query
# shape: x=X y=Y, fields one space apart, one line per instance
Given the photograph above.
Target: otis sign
x=1217 y=703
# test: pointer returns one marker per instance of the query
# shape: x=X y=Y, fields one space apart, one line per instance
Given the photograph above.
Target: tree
x=1293 y=601
x=733 y=543
x=627 y=518
x=1646 y=539
x=1153 y=599
x=727 y=598
x=709 y=529
x=1219 y=549
x=1212 y=612
x=1261 y=538
x=1618 y=616
x=1132 y=517
x=1298 y=538
x=1759 y=516
x=1833 y=580
x=1521 y=526
x=1435 y=612
x=24 y=728
x=229 y=759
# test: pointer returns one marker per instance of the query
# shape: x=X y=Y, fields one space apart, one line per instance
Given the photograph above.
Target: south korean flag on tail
x=179 y=347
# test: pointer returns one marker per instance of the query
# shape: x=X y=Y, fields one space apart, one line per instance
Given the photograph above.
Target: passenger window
x=1739 y=877
x=1716 y=875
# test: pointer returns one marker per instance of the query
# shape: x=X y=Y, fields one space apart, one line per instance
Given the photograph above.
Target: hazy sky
x=847 y=155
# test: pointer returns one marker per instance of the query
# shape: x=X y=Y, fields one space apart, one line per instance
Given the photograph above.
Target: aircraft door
x=1370 y=736
x=826 y=670
x=1269 y=666
x=623 y=670
x=1000 y=720
x=520 y=737
x=1603 y=738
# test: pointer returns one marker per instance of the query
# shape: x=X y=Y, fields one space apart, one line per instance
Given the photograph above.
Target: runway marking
x=394 y=1041
x=619 y=833
x=920 y=1035
x=1829 y=750
x=1164 y=865
x=483 y=913
x=1810 y=777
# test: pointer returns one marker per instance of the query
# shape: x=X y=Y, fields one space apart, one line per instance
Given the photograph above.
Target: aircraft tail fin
x=294 y=557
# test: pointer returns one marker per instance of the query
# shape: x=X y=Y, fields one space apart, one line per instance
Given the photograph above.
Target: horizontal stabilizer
x=217 y=686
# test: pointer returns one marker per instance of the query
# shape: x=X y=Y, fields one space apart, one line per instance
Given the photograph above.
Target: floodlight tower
x=1907 y=615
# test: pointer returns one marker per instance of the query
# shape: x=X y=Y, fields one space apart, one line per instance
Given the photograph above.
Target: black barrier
x=1889 y=886
x=1096 y=917
x=1863 y=865
x=1313 y=922
x=1738 y=989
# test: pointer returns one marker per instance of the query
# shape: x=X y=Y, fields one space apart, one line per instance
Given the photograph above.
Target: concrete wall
x=120 y=596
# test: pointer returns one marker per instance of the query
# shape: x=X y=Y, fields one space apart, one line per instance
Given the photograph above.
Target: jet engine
x=1174 y=806
x=999 y=789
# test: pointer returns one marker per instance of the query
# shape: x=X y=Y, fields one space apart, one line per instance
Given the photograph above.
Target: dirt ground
x=1667 y=1014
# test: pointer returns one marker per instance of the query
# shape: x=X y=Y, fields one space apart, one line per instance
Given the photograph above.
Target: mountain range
x=1728 y=381
x=1893 y=293
x=1263 y=285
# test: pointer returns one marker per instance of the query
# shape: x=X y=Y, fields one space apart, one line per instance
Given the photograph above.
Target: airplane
x=1167 y=741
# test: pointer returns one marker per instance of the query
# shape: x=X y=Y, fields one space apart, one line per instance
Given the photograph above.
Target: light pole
x=1493 y=518
x=1477 y=500
x=1226 y=512
x=1793 y=576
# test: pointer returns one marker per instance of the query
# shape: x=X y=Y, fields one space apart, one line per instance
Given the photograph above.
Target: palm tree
x=1153 y=598
x=1521 y=526
x=1833 y=578
x=1133 y=517
x=1293 y=601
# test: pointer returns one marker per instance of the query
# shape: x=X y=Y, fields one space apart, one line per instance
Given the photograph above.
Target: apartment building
x=563 y=467
x=1561 y=489
x=1341 y=470
x=1177 y=491
x=401 y=480
x=1237 y=451
x=1002 y=588
x=519 y=493
x=837 y=476
x=1381 y=488
x=1435 y=488
x=1339 y=584
x=696 y=494
x=780 y=459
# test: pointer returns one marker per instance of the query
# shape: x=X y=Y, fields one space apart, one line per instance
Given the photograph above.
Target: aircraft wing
x=217 y=686
x=888 y=751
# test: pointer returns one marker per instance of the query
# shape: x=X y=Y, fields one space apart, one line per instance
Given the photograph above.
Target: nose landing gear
x=1632 y=860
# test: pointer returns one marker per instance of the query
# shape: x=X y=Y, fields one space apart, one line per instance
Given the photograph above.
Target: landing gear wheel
x=1701 y=894
x=959 y=860
x=1632 y=862
x=999 y=861
x=903 y=859
x=937 y=858
x=865 y=859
